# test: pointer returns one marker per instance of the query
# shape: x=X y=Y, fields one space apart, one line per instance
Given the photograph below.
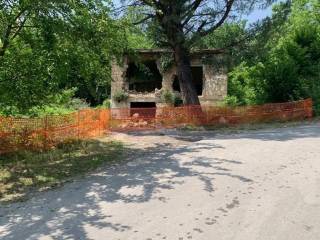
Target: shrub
x=120 y=96
x=168 y=97
x=106 y=103
x=290 y=70
x=231 y=101
x=58 y=104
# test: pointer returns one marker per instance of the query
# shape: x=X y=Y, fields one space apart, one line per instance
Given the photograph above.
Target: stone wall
x=118 y=82
x=168 y=78
x=215 y=83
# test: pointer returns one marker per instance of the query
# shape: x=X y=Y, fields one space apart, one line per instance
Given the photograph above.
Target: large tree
x=17 y=15
x=183 y=22
x=48 y=46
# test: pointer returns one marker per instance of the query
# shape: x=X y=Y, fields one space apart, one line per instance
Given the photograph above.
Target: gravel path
x=248 y=186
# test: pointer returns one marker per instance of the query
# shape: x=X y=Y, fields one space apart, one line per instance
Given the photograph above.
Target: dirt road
x=258 y=185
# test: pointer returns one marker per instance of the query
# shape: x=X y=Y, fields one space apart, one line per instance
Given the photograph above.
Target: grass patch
x=24 y=172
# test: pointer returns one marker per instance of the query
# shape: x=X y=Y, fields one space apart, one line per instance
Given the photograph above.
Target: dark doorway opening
x=143 y=105
x=176 y=84
x=143 y=109
x=197 y=76
x=144 y=77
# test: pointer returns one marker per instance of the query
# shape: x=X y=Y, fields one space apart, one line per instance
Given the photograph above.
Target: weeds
x=23 y=172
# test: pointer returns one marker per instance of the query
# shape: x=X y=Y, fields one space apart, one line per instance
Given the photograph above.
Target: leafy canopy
x=48 y=46
x=289 y=69
x=187 y=21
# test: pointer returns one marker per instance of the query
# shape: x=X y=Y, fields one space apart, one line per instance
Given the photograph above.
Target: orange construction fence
x=171 y=117
x=47 y=132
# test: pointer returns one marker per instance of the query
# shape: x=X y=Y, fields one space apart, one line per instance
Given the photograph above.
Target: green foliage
x=141 y=73
x=166 y=61
x=120 y=96
x=106 y=103
x=230 y=101
x=25 y=77
x=49 y=46
x=137 y=35
x=171 y=98
x=245 y=43
x=168 y=97
x=50 y=109
x=243 y=87
x=57 y=104
x=290 y=68
x=59 y=45
x=225 y=37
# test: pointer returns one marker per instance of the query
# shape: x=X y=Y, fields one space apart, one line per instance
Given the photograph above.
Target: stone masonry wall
x=118 y=83
x=215 y=83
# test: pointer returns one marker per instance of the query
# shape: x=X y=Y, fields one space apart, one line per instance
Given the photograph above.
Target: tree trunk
x=171 y=23
x=188 y=91
x=5 y=41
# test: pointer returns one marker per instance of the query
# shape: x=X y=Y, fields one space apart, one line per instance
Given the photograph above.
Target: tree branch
x=240 y=41
x=190 y=13
x=6 y=37
x=220 y=22
x=19 y=29
x=149 y=16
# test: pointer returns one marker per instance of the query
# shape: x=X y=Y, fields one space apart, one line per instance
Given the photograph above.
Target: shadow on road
x=62 y=214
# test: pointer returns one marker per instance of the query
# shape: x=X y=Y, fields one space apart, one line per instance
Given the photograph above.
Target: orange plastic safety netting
x=44 y=133
x=171 y=117
x=47 y=132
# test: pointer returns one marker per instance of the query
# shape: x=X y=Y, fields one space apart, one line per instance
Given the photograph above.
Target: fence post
x=78 y=124
x=108 y=120
x=100 y=125
x=187 y=111
x=46 y=132
x=308 y=107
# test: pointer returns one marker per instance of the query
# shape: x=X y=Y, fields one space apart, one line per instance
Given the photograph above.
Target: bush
x=106 y=103
x=246 y=87
x=291 y=68
x=231 y=101
x=168 y=97
x=120 y=96
x=58 y=104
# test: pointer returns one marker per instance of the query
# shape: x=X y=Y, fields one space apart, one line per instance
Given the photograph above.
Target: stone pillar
x=168 y=78
x=215 y=83
x=119 y=82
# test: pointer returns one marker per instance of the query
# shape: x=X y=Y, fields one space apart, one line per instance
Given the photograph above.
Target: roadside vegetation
x=286 y=64
x=56 y=55
x=26 y=172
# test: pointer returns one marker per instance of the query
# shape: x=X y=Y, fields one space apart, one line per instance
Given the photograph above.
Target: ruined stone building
x=140 y=81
